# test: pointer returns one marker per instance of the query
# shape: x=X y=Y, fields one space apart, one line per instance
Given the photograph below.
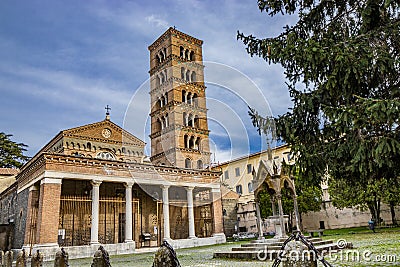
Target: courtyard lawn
x=373 y=249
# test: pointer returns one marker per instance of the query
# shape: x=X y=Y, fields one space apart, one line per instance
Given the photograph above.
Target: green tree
x=11 y=153
x=342 y=65
x=366 y=196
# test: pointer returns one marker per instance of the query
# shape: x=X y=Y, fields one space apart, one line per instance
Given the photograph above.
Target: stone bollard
x=61 y=259
x=297 y=255
x=8 y=258
x=101 y=258
x=166 y=257
x=37 y=259
x=21 y=259
x=1 y=258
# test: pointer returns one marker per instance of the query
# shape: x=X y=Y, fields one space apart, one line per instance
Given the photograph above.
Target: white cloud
x=153 y=19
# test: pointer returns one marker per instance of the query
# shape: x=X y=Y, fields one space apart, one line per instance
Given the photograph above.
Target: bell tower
x=179 y=128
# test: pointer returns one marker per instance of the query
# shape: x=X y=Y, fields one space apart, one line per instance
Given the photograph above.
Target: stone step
x=279 y=244
x=281 y=240
x=250 y=247
x=270 y=254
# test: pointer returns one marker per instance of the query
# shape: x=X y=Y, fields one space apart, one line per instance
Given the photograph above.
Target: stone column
x=281 y=220
x=217 y=211
x=296 y=206
x=259 y=221
x=187 y=120
x=166 y=211
x=94 y=233
x=273 y=202
x=189 y=193
x=128 y=212
x=48 y=212
x=296 y=212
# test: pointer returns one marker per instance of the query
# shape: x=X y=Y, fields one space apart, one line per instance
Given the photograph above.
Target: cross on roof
x=108 y=110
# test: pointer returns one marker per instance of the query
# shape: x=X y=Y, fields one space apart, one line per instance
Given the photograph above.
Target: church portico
x=167 y=203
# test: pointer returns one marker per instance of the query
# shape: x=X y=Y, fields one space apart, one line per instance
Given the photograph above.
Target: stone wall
x=230 y=216
x=7 y=205
x=20 y=222
x=334 y=218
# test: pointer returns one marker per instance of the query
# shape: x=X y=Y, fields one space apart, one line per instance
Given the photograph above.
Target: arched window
x=158 y=80
x=165 y=53
x=191 y=142
x=191 y=55
x=189 y=98
x=197 y=143
x=190 y=120
x=158 y=59
x=199 y=164
x=193 y=77
x=183 y=96
x=158 y=125
x=185 y=141
x=162 y=56
x=185 y=119
x=187 y=54
x=188 y=75
x=89 y=146
x=162 y=77
x=188 y=163
x=182 y=73
x=105 y=155
x=182 y=51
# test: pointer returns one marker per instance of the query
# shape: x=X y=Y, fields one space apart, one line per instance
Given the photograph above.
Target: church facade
x=93 y=184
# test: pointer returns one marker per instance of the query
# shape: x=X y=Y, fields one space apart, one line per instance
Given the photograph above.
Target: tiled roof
x=8 y=171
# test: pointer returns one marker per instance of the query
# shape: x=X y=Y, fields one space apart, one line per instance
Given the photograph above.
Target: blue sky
x=62 y=62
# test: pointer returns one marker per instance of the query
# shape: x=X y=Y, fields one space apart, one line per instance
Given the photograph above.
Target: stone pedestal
x=279 y=230
x=297 y=255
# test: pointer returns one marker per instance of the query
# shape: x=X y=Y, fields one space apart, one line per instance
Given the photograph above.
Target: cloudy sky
x=62 y=62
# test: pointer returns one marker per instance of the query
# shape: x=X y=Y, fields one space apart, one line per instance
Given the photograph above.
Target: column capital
x=129 y=184
x=165 y=187
x=189 y=188
x=95 y=183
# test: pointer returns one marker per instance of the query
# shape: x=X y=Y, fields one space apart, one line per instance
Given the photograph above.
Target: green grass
x=384 y=242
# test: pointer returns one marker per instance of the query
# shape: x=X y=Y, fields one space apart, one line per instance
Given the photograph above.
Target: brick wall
x=49 y=208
